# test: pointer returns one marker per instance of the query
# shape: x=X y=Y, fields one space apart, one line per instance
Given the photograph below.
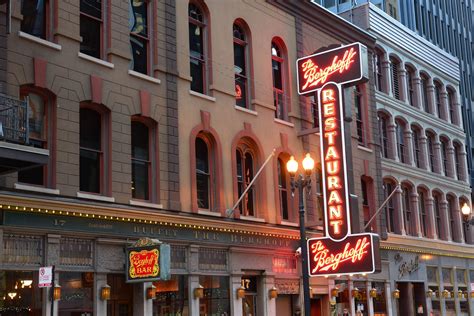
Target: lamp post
x=466 y=214
x=302 y=182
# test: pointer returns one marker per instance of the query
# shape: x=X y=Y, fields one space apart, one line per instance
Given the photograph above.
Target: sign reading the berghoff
x=148 y=260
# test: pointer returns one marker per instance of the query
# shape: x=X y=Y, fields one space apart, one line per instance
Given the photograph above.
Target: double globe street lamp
x=301 y=182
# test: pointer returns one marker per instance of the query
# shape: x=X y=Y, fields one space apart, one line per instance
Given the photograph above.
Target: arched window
x=394 y=66
x=422 y=211
x=452 y=106
x=283 y=189
x=383 y=132
x=407 y=211
x=451 y=216
x=437 y=213
x=40 y=124
x=359 y=115
x=439 y=106
x=410 y=85
x=93 y=141
x=416 y=146
x=378 y=57
x=197 y=48
x=203 y=175
x=388 y=187
x=424 y=92
x=366 y=189
x=240 y=66
x=444 y=155
x=245 y=173
x=278 y=82
x=401 y=146
x=431 y=154
x=457 y=160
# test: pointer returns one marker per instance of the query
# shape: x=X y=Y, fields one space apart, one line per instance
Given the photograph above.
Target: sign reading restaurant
x=340 y=252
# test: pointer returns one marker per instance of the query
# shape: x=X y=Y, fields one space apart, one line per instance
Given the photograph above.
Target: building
x=427 y=262
x=446 y=24
x=150 y=120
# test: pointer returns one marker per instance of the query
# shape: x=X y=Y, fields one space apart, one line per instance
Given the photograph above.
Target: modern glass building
x=448 y=25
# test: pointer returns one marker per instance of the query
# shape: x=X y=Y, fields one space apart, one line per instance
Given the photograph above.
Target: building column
x=350 y=287
x=402 y=83
x=444 y=229
x=417 y=91
x=141 y=305
x=431 y=226
x=423 y=151
x=451 y=168
x=269 y=283
x=392 y=140
x=388 y=299
x=457 y=115
x=399 y=222
x=386 y=78
x=463 y=162
x=458 y=234
x=370 y=300
x=236 y=303
x=430 y=90
x=416 y=213
x=193 y=303
x=408 y=138
x=444 y=104
x=100 y=306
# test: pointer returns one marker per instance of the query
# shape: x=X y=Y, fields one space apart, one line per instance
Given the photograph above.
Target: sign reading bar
x=147 y=260
x=344 y=64
x=340 y=252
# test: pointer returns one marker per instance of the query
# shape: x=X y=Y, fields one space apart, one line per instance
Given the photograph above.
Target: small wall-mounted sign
x=148 y=260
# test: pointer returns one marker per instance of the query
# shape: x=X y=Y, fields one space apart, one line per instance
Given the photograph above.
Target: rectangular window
x=141 y=170
x=422 y=209
x=77 y=290
x=91 y=20
x=216 y=299
x=91 y=155
x=139 y=38
x=35 y=17
x=171 y=296
x=359 y=116
x=416 y=147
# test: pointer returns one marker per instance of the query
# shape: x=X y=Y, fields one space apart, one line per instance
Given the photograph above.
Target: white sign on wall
x=45 y=277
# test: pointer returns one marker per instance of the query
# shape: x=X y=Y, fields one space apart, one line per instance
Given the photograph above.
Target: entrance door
x=121 y=296
x=420 y=301
x=249 y=305
x=406 y=304
x=316 y=306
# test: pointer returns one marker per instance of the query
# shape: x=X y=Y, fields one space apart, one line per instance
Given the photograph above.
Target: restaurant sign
x=148 y=260
x=340 y=252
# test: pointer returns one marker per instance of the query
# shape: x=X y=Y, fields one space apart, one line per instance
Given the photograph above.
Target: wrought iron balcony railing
x=14 y=120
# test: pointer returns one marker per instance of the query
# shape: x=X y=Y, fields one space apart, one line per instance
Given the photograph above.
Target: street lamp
x=466 y=213
x=302 y=182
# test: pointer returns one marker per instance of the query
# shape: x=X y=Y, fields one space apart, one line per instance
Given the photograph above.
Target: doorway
x=121 y=296
x=412 y=298
x=249 y=301
x=316 y=306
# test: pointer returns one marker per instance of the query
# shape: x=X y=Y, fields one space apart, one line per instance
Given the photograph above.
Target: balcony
x=16 y=152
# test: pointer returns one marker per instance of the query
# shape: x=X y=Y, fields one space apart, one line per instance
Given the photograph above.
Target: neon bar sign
x=340 y=252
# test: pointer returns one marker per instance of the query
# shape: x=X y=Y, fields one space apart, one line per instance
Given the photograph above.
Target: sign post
x=339 y=252
x=46 y=279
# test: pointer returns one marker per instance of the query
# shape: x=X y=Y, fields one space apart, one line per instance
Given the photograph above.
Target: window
x=283 y=192
x=422 y=210
x=437 y=214
x=444 y=155
x=383 y=135
x=315 y=111
x=197 y=52
x=378 y=56
x=451 y=217
x=278 y=91
x=359 y=115
x=431 y=154
x=139 y=38
x=457 y=161
x=394 y=65
x=388 y=187
x=171 y=296
x=401 y=143
x=407 y=211
x=452 y=107
x=439 y=106
x=203 y=174
x=35 y=16
x=240 y=66
x=365 y=203
x=410 y=86
x=92 y=146
x=40 y=118
x=416 y=146
x=77 y=290
x=141 y=167
x=91 y=27
x=424 y=93
x=216 y=299
x=245 y=173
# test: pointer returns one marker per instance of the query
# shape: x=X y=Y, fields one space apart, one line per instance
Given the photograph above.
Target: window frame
x=147 y=39
x=212 y=190
x=377 y=64
x=360 y=115
x=203 y=25
x=101 y=21
x=416 y=134
x=395 y=77
x=410 y=72
x=422 y=212
x=431 y=153
x=388 y=188
x=245 y=47
x=383 y=133
x=424 y=82
x=46 y=25
x=401 y=146
x=281 y=166
x=149 y=162
x=243 y=150
x=281 y=60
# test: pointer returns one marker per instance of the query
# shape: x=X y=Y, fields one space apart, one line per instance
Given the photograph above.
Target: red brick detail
x=40 y=66
x=145 y=103
x=96 y=89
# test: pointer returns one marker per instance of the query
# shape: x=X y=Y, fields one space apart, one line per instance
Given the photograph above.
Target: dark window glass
x=389 y=207
x=283 y=189
x=20 y=292
x=451 y=216
x=203 y=175
x=171 y=296
x=240 y=52
x=378 y=70
x=410 y=86
x=138 y=23
x=416 y=147
x=407 y=211
x=90 y=150
x=444 y=156
x=245 y=171
x=365 y=204
x=277 y=75
x=37 y=124
x=424 y=93
x=140 y=161
x=216 y=299
x=34 y=17
x=401 y=143
x=91 y=27
x=359 y=113
x=196 y=48
x=423 y=215
x=76 y=293
x=394 y=64
x=437 y=214
x=383 y=136
x=438 y=99
x=315 y=111
x=457 y=162
x=431 y=154
x=452 y=107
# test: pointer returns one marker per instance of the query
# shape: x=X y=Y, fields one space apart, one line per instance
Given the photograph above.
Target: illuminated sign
x=147 y=260
x=340 y=252
x=341 y=65
x=144 y=264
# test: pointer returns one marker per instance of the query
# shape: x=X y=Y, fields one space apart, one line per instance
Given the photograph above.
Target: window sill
x=203 y=96
x=209 y=213
x=287 y=223
x=96 y=60
x=365 y=149
x=144 y=77
x=146 y=204
x=252 y=219
x=39 y=41
x=283 y=122
x=34 y=188
x=239 y=108
x=96 y=197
